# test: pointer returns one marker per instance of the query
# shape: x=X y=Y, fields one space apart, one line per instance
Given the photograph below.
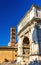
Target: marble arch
x=27 y=27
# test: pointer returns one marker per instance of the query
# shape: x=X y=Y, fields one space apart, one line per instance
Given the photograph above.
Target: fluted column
x=34 y=48
x=20 y=51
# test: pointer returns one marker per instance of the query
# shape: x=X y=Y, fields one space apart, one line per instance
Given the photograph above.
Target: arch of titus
x=29 y=37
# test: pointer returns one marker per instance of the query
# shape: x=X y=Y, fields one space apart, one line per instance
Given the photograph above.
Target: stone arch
x=26 y=49
x=26 y=40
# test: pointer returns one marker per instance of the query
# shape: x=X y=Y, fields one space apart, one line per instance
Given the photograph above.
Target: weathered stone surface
x=28 y=27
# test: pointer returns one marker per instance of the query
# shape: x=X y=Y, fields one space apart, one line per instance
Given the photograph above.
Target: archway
x=26 y=40
x=26 y=46
x=26 y=49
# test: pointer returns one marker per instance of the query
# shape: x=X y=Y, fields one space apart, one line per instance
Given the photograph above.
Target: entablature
x=33 y=13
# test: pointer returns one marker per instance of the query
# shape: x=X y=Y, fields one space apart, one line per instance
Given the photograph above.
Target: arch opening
x=26 y=40
x=26 y=47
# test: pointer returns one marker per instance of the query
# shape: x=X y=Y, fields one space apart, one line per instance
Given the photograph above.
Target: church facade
x=29 y=37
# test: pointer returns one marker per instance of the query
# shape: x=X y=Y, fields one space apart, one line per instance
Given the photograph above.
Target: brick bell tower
x=12 y=37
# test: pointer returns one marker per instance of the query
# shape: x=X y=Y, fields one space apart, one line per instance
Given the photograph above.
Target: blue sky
x=11 y=12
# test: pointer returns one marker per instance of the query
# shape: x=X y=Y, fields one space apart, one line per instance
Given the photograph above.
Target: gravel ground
x=8 y=63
